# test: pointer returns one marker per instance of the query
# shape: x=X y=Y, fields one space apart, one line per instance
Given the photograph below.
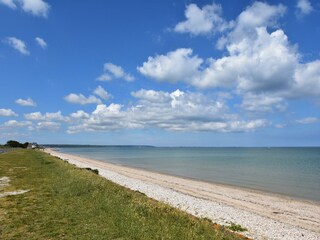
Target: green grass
x=65 y=202
x=237 y=228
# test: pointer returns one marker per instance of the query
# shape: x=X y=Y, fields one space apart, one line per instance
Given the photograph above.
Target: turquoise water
x=293 y=172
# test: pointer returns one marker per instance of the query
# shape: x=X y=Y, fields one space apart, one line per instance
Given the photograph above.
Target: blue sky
x=165 y=73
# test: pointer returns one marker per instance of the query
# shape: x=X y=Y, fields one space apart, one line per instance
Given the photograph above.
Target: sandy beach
x=265 y=215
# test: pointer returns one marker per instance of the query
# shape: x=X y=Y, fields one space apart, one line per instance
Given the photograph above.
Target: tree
x=16 y=144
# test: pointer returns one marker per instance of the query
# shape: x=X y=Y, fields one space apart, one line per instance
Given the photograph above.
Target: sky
x=162 y=73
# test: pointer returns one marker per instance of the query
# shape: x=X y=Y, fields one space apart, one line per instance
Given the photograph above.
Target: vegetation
x=65 y=202
x=96 y=171
x=16 y=144
x=237 y=228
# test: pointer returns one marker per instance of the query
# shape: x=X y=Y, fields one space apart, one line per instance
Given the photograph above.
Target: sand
x=265 y=215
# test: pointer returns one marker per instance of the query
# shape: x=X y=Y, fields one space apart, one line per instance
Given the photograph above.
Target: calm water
x=291 y=171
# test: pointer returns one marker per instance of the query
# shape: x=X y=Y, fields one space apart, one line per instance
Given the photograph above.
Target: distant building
x=33 y=145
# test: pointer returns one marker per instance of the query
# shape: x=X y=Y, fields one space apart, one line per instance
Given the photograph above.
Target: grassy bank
x=64 y=202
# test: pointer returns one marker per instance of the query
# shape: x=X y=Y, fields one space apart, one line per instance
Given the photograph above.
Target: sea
x=290 y=171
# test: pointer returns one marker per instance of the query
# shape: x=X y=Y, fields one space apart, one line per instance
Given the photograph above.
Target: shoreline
x=305 y=193
x=265 y=215
x=226 y=185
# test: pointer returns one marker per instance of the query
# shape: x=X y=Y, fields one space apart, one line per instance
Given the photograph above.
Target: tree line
x=16 y=144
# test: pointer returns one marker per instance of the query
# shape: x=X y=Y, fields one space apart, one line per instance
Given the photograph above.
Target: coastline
x=266 y=216
x=203 y=181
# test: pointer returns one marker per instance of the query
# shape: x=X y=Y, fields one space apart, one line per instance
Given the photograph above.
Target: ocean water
x=292 y=171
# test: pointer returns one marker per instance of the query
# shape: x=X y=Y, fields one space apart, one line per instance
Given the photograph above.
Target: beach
x=265 y=215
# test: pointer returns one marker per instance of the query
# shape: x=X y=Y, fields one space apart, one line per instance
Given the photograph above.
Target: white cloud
x=178 y=65
x=15 y=124
x=35 y=7
x=33 y=116
x=26 y=102
x=9 y=3
x=54 y=116
x=260 y=65
x=152 y=96
x=257 y=15
x=103 y=118
x=18 y=45
x=174 y=111
x=304 y=7
x=308 y=120
x=37 y=116
x=41 y=42
x=6 y=112
x=81 y=99
x=256 y=60
x=80 y=114
x=263 y=103
x=104 y=77
x=112 y=71
x=306 y=80
x=48 y=125
x=180 y=111
x=261 y=62
x=115 y=70
x=101 y=92
x=202 y=21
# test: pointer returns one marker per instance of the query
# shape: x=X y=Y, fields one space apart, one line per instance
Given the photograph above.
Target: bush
x=16 y=144
x=96 y=171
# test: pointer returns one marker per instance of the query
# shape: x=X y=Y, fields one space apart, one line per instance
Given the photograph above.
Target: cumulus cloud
x=33 y=116
x=42 y=43
x=9 y=3
x=35 y=7
x=304 y=7
x=7 y=112
x=202 y=21
x=152 y=96
x=263 y=103
x=26 y=102
x=174 y=111
x=48 y=126
x=259 y=14
x=80 y=114
x=38 y=116
x=178 y=65
x=112 y=71
x=18 y=45
x=17 y=124
x=103 y=118
x=102 y=93
x=306 y=80
x=259 y=63
x=81 y=99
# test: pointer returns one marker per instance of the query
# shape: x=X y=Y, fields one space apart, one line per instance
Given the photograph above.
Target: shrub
x=16 y=144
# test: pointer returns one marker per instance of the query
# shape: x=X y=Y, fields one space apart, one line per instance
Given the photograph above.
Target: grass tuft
x=237 y=228
x=96 y=171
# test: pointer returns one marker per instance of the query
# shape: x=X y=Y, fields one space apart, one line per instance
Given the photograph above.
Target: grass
x=237 y=228
x=65 y=202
